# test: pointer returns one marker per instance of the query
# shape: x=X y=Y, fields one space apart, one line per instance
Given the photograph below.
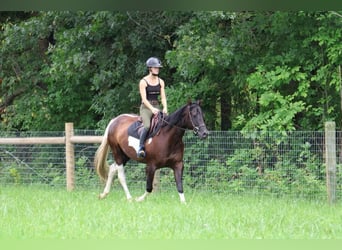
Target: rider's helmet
x=153 y=62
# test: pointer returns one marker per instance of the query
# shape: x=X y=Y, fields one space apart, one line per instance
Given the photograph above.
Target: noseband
x=195 y=128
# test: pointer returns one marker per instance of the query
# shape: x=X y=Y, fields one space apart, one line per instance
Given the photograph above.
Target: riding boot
x=141 y=152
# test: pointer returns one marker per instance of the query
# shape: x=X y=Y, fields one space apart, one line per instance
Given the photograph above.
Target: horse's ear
x=189 y=101
x=199 y=102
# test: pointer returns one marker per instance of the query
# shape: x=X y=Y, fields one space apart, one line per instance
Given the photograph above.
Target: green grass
x=48 y=213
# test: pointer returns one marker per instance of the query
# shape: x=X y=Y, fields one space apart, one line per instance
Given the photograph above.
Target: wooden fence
x=330 y=160
x=70 y=139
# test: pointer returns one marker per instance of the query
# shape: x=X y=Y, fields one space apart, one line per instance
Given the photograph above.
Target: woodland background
x=253 y=70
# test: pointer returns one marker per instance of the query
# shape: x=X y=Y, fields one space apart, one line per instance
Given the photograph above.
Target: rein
x=195 y=128
x=173 y=125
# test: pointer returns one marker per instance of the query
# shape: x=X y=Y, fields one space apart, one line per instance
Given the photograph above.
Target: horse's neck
x=175 y=125
x=176 y=119
x=172 y=134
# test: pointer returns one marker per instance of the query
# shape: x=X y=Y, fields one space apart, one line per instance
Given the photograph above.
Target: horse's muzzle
x=203 y=134
x=201 y=131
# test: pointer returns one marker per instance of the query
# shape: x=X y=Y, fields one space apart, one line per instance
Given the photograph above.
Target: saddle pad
x=135 y=129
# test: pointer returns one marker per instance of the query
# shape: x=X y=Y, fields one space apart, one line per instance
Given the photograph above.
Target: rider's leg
x=146 y=115
x=141 y=150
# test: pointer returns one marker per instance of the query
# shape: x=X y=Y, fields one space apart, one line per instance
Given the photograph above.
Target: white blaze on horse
x=165 y=150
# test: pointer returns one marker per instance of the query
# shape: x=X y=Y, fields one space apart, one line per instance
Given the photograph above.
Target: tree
x=88 y=74
x=262 y=70
x=295 y=81
x=202 y=57
x=253 y=70
x=24 y=41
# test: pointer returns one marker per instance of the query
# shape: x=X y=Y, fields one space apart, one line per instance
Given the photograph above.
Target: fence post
x=156 y=180
x=330 y=160
x=69 y=157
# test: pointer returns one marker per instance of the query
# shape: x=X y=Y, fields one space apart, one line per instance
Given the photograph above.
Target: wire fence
x=276 y=163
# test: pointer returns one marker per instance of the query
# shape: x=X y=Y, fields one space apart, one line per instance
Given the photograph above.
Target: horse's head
x=196 y=119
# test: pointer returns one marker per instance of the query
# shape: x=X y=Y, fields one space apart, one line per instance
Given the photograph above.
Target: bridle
x=195 y=128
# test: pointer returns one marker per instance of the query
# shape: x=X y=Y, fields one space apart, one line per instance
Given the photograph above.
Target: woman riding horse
x=150 y=88
x=165 y=149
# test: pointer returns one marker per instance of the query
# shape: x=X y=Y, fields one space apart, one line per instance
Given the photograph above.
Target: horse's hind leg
x=122 y=179
x=121 y=175
x=112 y=170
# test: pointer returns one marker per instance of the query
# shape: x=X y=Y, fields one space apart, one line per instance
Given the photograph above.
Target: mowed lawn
x=50 y=213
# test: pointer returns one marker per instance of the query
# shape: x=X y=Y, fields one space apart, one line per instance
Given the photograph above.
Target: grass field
x=48 y=213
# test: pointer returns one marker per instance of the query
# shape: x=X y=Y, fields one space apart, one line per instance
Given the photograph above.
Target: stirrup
x=141 y=153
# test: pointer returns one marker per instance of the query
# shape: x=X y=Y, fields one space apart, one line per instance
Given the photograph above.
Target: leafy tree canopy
x=253 y=70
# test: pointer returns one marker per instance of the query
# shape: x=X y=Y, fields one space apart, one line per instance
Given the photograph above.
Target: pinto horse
x=165 y=149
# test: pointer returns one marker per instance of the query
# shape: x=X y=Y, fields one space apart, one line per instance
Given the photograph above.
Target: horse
x=165 y=149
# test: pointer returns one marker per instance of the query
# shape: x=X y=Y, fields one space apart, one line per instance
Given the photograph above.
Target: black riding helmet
x=153 y=62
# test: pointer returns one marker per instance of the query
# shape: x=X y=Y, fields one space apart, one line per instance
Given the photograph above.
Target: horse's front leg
x=150 y=170
x=178 y=172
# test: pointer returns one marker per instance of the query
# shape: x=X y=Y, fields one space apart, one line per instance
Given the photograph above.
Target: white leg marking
x=122 y=179
x=112 y=170
x=142 y=198
x=182 y=198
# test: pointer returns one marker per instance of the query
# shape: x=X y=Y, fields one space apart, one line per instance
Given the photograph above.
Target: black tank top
x=152 y=92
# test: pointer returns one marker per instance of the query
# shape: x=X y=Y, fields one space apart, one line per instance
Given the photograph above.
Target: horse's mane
x=175 y=117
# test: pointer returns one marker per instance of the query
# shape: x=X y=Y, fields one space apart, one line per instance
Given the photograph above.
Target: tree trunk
x=226 y=123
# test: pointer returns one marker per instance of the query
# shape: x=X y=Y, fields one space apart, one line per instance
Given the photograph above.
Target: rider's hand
x=155 y=111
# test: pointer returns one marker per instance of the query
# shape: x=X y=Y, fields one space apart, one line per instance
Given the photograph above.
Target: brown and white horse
x=166 y=149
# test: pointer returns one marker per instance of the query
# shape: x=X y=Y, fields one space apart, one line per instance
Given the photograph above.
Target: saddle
x=137 y=127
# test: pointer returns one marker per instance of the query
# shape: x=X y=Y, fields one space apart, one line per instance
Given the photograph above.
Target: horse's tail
x=100 y=160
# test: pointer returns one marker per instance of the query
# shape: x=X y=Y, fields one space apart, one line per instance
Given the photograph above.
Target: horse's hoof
x=139 y=199
x=102 y=196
